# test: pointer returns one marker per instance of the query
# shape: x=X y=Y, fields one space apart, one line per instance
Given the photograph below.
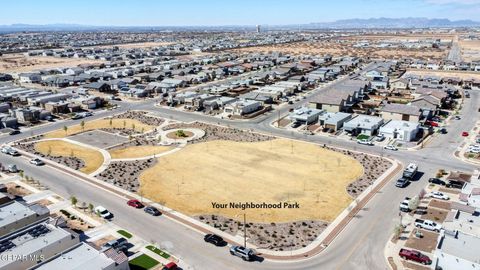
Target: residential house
x=400 y=130
x=456 y=250
x=394 y=111
x=305 y=115
x=335 y=120
x=242 y=107
x=363 y=124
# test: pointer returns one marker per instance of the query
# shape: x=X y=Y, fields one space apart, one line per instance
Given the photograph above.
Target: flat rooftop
x=463 y=246
x=12 y=212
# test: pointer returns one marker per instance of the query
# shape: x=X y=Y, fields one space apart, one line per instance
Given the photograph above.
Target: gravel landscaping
x=143 y=139
x=142 y=117
x=373 y=167
x=213 y=132
x=125 y=174
x=273 y=236
x=71 y=162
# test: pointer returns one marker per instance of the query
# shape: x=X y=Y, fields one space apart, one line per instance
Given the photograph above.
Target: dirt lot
x=436 y=215
x=427 y=243
x=92 y=159
x=138 y=151
x=470 y=50
x=444 y=73
x=127 y=124
x=20 y=63
x=17 y=190
x=272 y=171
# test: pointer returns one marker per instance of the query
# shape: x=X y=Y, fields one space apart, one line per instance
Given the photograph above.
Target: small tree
x=130 y=137
x=21 y=174
x=82 y=125
x=397 y=231
x=74 y=200
x=143 y=130
x=413 y=203
x=133 y=126
x=49 y=151
x=124 y=123
x=72 y=153
x=90 y=207
x=65 y=128
x=110 y=122
x=84 y=206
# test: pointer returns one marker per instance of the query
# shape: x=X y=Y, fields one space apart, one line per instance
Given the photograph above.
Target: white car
x=390 y=147
x=103 y=212
x=438 y=195
x=37 y=162
x=364 y=141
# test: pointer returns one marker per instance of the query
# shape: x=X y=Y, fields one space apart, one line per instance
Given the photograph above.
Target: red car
x=415 y=256
x=465 y=134
x=431 y=123
x=135 y=203
x=170 y=266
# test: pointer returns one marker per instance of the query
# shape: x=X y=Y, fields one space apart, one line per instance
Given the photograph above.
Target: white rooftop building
x=400 y=130
x=457 y=251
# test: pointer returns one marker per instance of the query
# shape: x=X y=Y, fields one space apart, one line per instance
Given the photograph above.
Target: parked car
x=37 y=162
x=402 y=182
x=380 y=137
x=152 y=211
x=12 y=168
x=103 y=212
x=120 y=244
x=135 y=203
x=437 y=181
x=390 y=147
x=455 y=184
x=296 y=124
x=10 y=151
x=170 y=266
x=465 y=134
x=427 y=225
x=410 y=171
x=245 y=253
x=457 y=117
x=404 y=205
x=436 y=119
x=438 y=195
x=76 y=116
x=214 y=239
x=14 y=132
x=49 y=118
x=364 y=141
x=443 y=131
x=415 y=256
x=431 y=123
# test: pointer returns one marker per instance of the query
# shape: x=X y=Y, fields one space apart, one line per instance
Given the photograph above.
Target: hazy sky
x=225 y=12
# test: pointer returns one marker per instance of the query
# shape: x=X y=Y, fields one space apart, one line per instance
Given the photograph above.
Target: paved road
x=359 y=246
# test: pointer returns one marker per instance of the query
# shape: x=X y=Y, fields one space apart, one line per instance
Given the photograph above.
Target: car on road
x=243 y=252
x=364 y=141
x=427 y=225
x=135 y=203
x=214 y=239
x=37 y=162
x=10 y=151
x=402 y=182
x=437 y=181
x=465 y=134
x=437 y=195
x=12 y=168
x=77 y=116
x=443 y=131
x=170 y=266
x=390 y=147
x=152 y=211
x=103 y=212
x=404 y=205
x=415 y=256
x=14 y=132
x=410 y=171
x=457 y=117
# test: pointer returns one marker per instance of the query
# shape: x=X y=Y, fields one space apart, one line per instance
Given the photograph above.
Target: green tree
x=90 y=207
x=124 y=123
x=73 y=200
x=133 y=126
x=82 y=124
x=110 y=122
x=65 y=128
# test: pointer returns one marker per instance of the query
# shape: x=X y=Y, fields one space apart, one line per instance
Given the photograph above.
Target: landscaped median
x=158 y=251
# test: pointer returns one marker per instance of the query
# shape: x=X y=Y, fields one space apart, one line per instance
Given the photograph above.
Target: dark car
x=437 y=181
x=455 y=184
x=402 y=182
x=14 y=132
x=152 y=211
x=118 y=244
x=214 y=239
x=296 y=124
x=443 y=131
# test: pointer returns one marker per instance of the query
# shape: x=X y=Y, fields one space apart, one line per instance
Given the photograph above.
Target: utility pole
x=244 y=230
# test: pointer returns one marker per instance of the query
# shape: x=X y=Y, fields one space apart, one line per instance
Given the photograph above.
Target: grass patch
x=138 y=151
x=143 y=262
x=158 y=251
x=363 y=136
x=93 y=159
x=125 y=234
x=273 y=171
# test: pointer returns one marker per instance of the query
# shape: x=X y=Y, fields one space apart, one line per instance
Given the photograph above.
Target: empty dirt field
x=20 y=63
x=138 y=151
x=444 y=73
x=341 y=49
x=92 y=159
x=126 y=124
x=274 y=171
x=470 y=49
x=139 y=45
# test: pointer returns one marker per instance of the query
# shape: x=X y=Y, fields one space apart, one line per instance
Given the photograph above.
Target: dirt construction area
x=20 y=63
x=274 y=171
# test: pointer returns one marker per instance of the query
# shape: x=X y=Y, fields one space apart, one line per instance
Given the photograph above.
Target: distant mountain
x=340 y=24
x=395 y=23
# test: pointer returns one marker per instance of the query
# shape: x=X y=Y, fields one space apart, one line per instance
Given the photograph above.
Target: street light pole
x=244 y=230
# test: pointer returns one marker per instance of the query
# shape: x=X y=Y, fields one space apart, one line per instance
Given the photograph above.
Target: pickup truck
x=415 y=256
x=427 y=225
